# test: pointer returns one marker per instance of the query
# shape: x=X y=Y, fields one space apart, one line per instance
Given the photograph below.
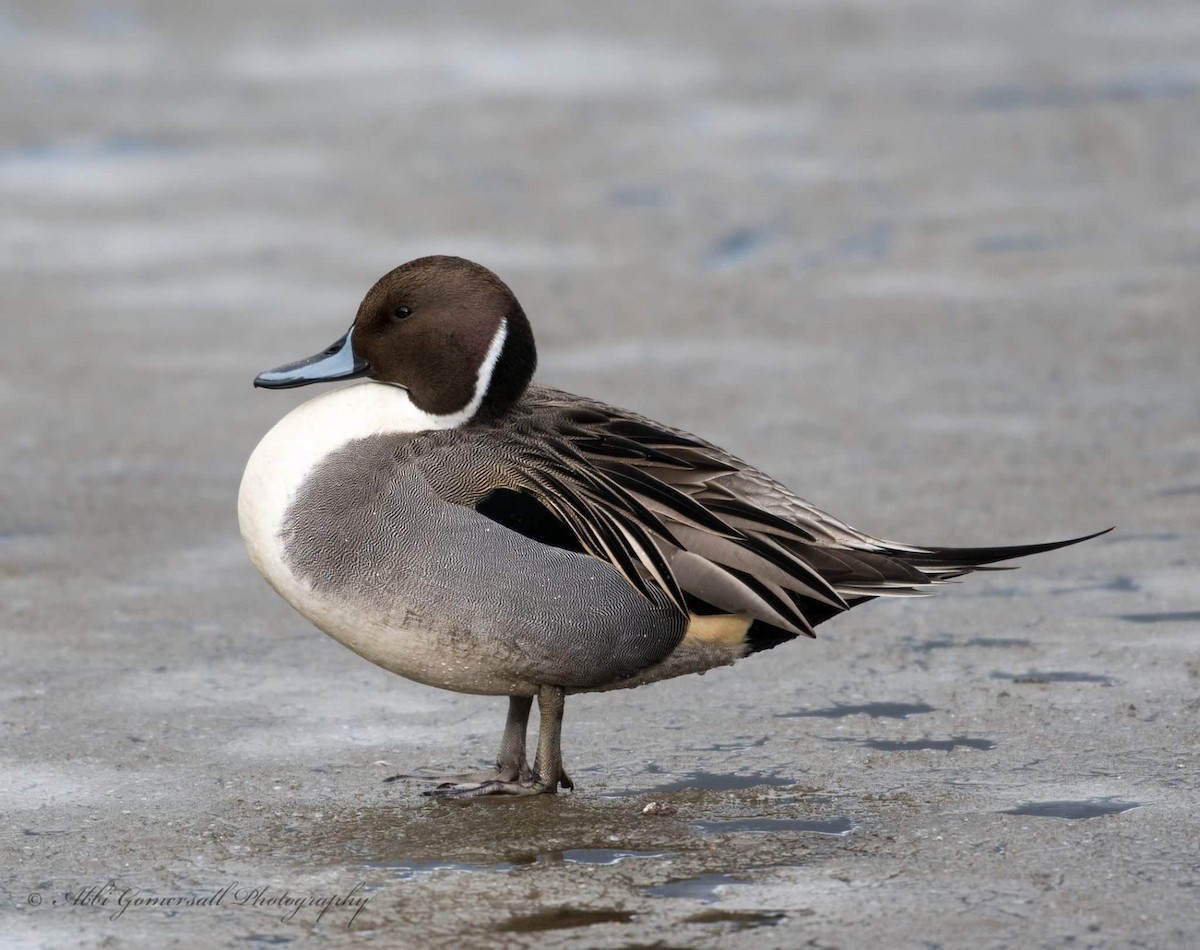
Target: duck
x=454 y=522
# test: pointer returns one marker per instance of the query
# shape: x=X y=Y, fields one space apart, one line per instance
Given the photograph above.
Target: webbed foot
x=463 y=778
x=493 y=785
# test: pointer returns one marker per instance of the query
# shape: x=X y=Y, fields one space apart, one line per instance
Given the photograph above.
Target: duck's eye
x=402 y=313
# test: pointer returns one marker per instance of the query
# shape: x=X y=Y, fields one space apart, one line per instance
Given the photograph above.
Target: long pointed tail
x=890 y=569
x=945 y=563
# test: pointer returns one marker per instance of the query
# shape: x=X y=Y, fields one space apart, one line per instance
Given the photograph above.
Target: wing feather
x=677 y=515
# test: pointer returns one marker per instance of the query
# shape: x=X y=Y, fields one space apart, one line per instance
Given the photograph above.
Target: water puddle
x=10 y=537
x=563 y=918
x=996 y=642
x=735 y=247
x=874 y=710
x=1074 y=810
x=596 y=857
x=1173 y=616
x=1058 y=676
x=923 y=745
x=740 y=919
x=1118 y=585
x=114 y=147
x=928 y=646
x=834 y=827
x=705 y=887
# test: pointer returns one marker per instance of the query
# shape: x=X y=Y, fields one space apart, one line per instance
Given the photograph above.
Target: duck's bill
x=335 y=362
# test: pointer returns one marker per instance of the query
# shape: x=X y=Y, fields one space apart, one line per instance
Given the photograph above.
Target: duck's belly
x=394 y=632
x=408 y=644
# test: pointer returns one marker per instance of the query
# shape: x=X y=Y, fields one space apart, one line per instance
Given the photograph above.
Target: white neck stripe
x=482 y=383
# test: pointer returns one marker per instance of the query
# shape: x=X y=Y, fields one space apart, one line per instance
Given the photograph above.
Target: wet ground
x=934 y=265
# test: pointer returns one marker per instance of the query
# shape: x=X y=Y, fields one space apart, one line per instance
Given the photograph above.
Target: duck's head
x=445 y=329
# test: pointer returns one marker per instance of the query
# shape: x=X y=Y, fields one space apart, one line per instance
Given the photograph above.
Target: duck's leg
x=510 y=760
x=547 y=774
x=547 y=764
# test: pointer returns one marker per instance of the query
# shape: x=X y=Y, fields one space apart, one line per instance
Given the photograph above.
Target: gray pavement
x=933 y=265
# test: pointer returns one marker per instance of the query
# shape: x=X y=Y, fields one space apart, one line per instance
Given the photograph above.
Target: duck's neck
x=506 y=370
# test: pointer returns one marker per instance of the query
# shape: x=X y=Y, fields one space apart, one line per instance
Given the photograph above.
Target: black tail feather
x=974 y=558
x=940 y=565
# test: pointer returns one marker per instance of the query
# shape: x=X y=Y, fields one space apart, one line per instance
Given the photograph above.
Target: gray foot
x=493 y=786
x=486 y=789
x=460 y=778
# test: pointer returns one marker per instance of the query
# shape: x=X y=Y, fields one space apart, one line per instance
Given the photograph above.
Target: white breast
x=283 y=460
x=298 y=442
x=275 y=472
x=307 y=434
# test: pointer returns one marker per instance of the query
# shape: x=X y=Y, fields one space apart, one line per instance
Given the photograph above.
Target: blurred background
x=934 y=265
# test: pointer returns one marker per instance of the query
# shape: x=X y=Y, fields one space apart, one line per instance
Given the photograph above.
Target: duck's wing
x=674 y=512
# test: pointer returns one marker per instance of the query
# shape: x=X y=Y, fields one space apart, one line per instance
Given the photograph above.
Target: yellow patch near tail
x=725 y=629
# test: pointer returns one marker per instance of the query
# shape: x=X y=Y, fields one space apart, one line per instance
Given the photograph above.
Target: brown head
x=447 y=330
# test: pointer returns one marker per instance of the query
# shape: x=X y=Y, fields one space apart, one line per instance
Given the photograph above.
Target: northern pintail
x=458 y=525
